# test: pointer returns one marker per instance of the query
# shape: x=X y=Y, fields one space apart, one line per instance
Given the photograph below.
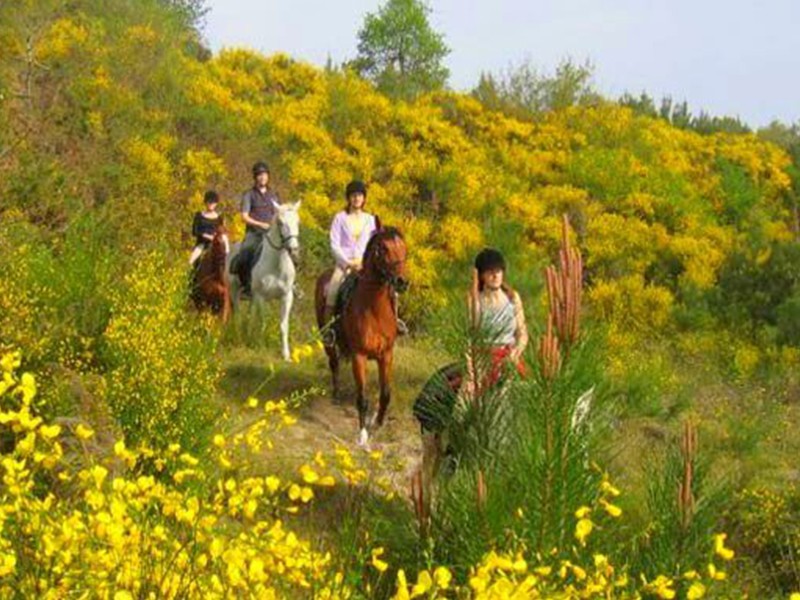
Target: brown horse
x=366 y=326
x=209 y=284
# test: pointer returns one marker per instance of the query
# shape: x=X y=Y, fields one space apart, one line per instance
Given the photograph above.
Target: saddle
x=345 y=293
x=335 y=335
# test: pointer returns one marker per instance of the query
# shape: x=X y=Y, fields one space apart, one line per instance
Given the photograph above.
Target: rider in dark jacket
x=204 y=226
x=259 y=205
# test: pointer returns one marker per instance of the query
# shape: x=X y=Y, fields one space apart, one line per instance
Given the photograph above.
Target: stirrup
x=329 y=338
x=402 y=328
x=328 y=333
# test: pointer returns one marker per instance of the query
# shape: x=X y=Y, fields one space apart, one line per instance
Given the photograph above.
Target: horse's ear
x=378 y=224
x=297 y=204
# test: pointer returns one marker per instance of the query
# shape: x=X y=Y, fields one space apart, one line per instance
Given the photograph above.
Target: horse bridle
x=285 y=239
x=384 y=269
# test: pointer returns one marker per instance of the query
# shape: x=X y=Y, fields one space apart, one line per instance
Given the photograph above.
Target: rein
x=284 y=244
x=384 y=270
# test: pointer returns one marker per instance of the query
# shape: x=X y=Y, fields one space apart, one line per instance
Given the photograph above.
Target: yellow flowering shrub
x=629 y=302
x=161 y=371
x=63 y=36
x=765 y=521
x=136 y=523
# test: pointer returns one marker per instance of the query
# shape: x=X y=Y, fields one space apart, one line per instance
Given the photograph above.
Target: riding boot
x=245 y=276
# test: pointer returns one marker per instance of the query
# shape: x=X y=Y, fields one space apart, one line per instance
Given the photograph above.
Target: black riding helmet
x=260 y=167
x=354 y=187
x=489 y=259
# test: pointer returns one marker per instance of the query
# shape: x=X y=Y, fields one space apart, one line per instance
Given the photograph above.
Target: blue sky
x=729 y=58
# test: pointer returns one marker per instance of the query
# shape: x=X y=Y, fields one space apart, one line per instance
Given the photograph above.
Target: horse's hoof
x=363 y=438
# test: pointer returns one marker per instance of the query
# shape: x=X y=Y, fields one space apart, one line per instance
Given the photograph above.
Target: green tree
x=525 y=92
x=192 y=11
x=400 y=52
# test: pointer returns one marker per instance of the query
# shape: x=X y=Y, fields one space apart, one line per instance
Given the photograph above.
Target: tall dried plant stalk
x=564 y=290
x=481 y=491
x=420 y=502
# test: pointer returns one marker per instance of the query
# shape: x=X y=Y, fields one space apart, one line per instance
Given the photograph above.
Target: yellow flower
x=696 y=591
x=219 y=441
x=582 y=512
x=50 y=431
x=582 y=530
x=442 y=577
x=308 y=474
x=715 y=574
x=98 y=474
x=123 y=595
x=252 y=402
x=28 y=387
x=84 y=432
x=273 y=483
x=377 y=562
x=609 y=489
x=8 y=564
x=720 y=549
x=612 y=509
x=294 y=492
x=327 y=481
x=402 y=586
x=424 y=583
x=600 y=561
x=27 y=444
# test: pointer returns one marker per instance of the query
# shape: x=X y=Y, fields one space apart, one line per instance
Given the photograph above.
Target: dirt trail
x=323 y=423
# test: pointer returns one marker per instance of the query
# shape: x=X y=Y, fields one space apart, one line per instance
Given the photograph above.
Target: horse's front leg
x=385 y=378
x=333 y=363
x=226 y=304
x=360 y=375
x=286 y=309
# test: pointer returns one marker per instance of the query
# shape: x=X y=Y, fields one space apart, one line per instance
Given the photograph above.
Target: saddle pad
x=345 y=292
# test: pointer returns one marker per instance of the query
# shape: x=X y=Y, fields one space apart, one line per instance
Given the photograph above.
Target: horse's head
x=288 y=222
x=385 y=256
x=219 y=244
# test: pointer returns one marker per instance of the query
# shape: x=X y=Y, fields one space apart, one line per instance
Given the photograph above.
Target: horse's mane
x=381 y=235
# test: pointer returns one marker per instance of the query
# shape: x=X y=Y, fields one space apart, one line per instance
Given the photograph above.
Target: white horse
x=274 y=271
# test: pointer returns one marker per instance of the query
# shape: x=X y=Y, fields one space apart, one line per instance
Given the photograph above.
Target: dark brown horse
x=366 y=326
x=210 y=285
